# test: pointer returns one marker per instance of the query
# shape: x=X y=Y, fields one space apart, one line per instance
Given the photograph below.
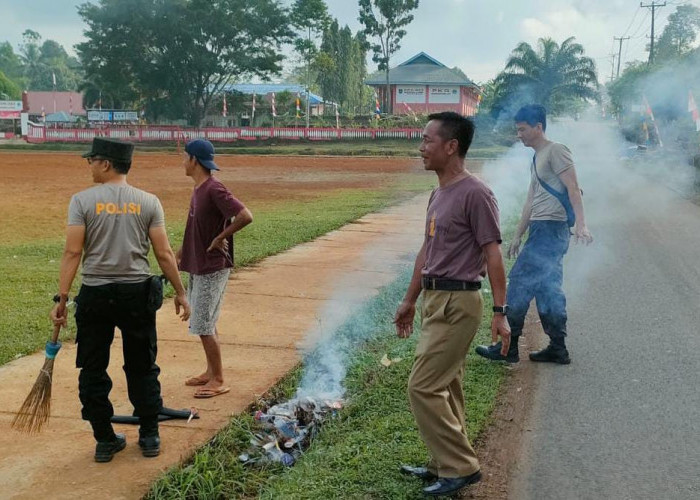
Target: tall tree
x=310 y=18
x=680 y=33
x=176 y=55
x=552 y=75
x=384 y=21
x=341 y=66
x=327 y=63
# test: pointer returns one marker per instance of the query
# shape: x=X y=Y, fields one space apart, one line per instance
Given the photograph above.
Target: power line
x=640 y=26
x=632 y=21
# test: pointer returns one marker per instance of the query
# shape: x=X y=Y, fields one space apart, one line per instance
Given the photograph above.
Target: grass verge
x=356 y=455
x=31 y=270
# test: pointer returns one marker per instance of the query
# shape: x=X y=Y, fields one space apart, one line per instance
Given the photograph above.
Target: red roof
x=34 y=101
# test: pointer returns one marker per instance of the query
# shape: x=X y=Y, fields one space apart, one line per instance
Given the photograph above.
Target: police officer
x=112 y=226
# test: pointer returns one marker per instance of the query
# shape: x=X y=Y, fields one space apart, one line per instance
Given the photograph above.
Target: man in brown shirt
x=462 y=243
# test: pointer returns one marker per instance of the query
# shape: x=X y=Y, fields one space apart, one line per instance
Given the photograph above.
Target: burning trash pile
x=288 y=429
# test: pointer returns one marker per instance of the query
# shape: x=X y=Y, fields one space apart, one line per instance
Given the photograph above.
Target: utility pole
x=653 y=8
x=612 y=67
x=308 y=83
x=619 y=55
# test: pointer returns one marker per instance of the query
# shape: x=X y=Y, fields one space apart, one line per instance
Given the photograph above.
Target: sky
x=475 y=35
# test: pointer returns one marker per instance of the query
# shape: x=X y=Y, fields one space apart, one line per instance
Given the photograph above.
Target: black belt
x=430 y=283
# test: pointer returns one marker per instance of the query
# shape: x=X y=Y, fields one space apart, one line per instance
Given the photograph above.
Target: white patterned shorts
x=206 y=293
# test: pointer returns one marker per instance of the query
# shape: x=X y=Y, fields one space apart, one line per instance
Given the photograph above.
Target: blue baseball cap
x=203 y=150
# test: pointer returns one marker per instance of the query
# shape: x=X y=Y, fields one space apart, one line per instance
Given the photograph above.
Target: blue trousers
x=538 y=273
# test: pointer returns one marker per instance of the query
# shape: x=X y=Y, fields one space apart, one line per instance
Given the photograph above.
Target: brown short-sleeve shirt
x=462 y=218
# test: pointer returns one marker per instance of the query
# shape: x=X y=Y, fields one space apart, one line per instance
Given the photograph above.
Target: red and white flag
x=224 y=110
x=650 y=114
x=274 y=108
x=70 y=105
x=693 y=110
x=252 y=118
x=415 y=118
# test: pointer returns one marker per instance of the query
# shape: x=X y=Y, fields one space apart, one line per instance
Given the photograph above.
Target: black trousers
x=99 y=310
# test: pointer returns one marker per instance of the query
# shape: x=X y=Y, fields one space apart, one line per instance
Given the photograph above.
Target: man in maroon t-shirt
x=207 y=254
x=462 y=243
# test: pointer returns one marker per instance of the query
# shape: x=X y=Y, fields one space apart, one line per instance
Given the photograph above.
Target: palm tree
x=553 y=75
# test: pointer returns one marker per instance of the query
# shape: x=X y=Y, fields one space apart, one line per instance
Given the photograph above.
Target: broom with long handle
x=36 y=409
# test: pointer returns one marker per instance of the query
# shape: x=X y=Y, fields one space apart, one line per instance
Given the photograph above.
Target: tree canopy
x=37 y=63
x=384 y=21
x=173 y=56
x=679 y=35
x=341 y=68
x=8 y=89
x=553 y=75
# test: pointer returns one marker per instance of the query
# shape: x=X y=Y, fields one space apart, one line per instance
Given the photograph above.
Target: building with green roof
x=425 y=85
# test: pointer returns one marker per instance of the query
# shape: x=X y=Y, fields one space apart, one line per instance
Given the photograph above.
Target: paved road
x=623 y=420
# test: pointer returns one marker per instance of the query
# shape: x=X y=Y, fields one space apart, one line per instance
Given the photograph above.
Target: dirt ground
x=36 y=187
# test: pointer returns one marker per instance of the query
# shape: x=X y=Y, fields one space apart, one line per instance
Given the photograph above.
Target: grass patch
x=357 y=454
x=31 y=270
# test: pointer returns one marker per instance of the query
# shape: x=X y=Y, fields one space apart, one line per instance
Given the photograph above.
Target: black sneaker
x=493 y=352
x=551 y=354
x=104 y=451
x=150 y=445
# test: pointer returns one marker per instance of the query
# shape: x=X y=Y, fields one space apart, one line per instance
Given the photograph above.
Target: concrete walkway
x=268 y=314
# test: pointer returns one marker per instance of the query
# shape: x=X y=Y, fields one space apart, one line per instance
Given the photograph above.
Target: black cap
x=111 y=149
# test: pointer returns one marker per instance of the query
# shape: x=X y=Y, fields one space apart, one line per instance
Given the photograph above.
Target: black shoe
x=150 y=446
x=493 y=352
x=104 y=451
x=551 y=354
x=449 y=485
x=419 y=472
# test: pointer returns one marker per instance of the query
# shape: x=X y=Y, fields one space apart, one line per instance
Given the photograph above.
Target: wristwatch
x=500 y=309
x=57 y=298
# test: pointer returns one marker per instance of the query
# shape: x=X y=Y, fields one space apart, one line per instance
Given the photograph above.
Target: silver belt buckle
x=433 y=283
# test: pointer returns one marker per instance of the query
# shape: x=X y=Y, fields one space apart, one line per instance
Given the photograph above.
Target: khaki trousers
x=450 y=321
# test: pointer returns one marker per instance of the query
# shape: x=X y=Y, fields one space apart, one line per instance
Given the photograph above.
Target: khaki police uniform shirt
x=117 y=218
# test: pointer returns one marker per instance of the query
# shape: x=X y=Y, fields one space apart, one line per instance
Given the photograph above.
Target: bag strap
x=546 y=186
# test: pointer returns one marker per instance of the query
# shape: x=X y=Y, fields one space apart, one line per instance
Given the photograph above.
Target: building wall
x=420 y=99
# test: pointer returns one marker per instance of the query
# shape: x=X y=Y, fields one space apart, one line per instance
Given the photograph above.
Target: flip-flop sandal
x=210 y=393
x=195 y=381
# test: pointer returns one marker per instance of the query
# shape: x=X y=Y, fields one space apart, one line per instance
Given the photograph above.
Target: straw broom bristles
x=36 y=409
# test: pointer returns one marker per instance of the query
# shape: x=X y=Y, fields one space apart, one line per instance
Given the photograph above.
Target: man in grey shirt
x=112 y=226
x=538 y=271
